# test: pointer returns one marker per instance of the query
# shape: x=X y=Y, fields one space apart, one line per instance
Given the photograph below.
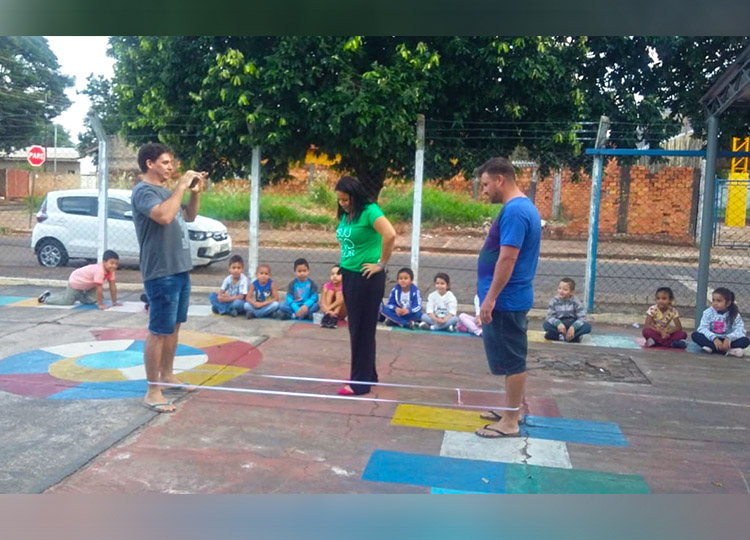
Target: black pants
x=362 y=298
x=703 y=341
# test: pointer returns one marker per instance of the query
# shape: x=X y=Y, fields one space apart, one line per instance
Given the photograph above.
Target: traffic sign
x=36 y=156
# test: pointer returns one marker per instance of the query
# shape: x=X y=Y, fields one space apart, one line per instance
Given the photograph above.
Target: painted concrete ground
x=71 y=386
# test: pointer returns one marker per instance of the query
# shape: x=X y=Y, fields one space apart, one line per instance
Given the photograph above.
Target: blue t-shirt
x=260 y=292
x=517 y=225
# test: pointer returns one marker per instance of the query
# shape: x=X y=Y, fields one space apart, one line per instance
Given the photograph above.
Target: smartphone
x=195 y=181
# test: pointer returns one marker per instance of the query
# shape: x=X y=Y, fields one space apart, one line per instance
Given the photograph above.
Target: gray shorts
x=506 y=343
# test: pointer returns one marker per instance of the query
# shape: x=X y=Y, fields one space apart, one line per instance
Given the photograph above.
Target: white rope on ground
x=331 y=396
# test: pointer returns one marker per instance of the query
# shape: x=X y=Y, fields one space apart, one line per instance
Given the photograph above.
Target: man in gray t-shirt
x=165 y=262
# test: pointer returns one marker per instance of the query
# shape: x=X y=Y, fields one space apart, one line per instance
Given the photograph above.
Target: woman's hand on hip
x=370 y=269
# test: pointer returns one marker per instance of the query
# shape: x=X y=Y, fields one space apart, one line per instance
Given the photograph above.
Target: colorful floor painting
x=537 y=462
x=475 y=476
x=112 y=366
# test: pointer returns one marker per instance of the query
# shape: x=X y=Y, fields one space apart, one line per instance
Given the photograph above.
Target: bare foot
x=504 y=428
x=155 y=400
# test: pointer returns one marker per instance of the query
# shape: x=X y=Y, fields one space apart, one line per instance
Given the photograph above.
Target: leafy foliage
x=32 y=90
x=214 y=98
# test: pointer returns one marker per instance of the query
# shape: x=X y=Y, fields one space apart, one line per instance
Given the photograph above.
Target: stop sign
x=36 y=156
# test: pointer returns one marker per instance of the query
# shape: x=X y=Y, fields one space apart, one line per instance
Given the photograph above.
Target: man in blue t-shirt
x=505 y=274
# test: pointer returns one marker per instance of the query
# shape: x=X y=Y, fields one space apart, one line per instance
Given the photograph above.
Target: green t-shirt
x=360 y=242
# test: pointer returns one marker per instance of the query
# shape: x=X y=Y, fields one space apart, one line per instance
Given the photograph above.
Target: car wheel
x=51 y=253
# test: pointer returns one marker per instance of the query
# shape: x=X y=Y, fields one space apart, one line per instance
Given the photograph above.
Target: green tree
x=32 y=90
x=105 y=106
x=213 y=98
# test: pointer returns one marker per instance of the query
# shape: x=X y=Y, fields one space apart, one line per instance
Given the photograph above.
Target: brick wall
x=659 y=205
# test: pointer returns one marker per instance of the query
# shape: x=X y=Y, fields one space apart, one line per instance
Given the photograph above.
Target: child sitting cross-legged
x=442 y=306
x=721 y=330
x=663 y=326
x=301 y=294
x=230 y=300
x=566 y=316
x=404 y=307
x=262 y=299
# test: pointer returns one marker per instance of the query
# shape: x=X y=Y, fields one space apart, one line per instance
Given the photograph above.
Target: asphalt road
x=620 y=285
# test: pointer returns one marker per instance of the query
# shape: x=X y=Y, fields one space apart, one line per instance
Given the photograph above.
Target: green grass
x=318 y=207
x=438 y=207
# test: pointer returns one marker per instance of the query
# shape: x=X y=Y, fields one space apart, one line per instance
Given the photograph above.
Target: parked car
x=67 y=224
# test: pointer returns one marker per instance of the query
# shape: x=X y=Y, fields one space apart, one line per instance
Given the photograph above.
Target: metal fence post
x=556 y=194
x=252 y=256
x=707 y=216
x=103 y=181
x=596 y=196
x=416 y=222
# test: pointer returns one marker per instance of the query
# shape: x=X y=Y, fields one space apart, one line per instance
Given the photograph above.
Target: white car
x=67 y=228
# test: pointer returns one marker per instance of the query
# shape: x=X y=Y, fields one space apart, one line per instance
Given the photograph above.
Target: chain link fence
x=649 y=221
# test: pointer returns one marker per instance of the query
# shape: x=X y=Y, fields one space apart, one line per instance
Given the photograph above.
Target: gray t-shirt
x=165 y=249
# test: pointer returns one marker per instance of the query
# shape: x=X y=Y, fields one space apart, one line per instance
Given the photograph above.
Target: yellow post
x=737 y=192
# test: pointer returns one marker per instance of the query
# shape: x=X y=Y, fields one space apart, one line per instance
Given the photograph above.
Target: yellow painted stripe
x=211 y=375
x=200 y=340
x=67 y=369
x=437 y=418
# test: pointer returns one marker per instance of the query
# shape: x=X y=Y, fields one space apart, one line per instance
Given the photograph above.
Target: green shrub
x=322 y=195
x=438 y=207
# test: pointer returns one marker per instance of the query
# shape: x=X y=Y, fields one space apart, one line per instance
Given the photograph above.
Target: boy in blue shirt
x=301 y=294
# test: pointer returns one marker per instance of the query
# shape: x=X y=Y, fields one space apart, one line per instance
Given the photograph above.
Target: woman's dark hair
x=732 y=309
x=667 y=290
x=407 y=271
x=357 y=194
x=445 y=277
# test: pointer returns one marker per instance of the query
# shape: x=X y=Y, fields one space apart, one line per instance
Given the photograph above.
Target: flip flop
x=159 y=407
x=499 y=435
x=492 y=415
x=185 y=389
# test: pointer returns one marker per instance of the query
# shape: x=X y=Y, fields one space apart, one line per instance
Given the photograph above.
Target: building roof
x=732 y=89
x=64 y=154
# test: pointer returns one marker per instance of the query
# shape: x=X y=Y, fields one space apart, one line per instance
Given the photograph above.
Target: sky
x=79 y=56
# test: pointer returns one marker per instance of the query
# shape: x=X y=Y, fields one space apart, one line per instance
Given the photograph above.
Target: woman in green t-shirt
x=367 y=238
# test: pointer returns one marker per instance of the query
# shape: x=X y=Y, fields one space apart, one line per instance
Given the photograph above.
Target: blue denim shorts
x=168 y=301
x=506 y=342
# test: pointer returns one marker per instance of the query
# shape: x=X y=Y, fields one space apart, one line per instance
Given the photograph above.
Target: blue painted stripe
x=435 y=471
x=465 y=476
x=574 y=431
x=614 y=341
x=443 y=491
x=86 y=306
x=182 y=350
x=104 y=390
x=36 y=361
x=5 y=300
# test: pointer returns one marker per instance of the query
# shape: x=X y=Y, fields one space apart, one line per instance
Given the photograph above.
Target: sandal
x=493 y=416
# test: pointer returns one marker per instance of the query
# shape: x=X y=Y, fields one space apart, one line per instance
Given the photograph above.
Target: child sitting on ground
x=471 y=323
x=721 y=329
x=566 y=316
x=85 y=284
x=230 y=299
x=262 y=299
x=442 y=306
x=404 y=307
x=332 y=302
x=663 y=326
x=301 y=294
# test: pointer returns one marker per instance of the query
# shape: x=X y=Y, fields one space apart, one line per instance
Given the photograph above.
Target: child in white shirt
x=471 y=323
x=442 y=306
